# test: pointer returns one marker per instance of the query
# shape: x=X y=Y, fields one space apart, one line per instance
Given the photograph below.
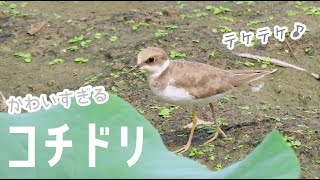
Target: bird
x=191 y=84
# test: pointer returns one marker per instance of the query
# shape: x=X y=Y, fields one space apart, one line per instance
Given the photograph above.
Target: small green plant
x=265 y=62
x=292 y=13
x=76 y=39
x=182 y=5
x=228 y=19
x=227 y=157
x=81 y=60
x=13 y=10
x=1 y=31
x=246 y=107
x=224 y=29
x=214 y=30
x=114 y=89
x=309 y=50
x=91 y=79
x=170 y=27
x=85 y=43
x=137 y=26
x=218 y=10
x=141 y=111
x=2 y=3
x=201 y=14
x=253 y=41
x=291 y=142
x=195 y=152
x=24 y=4
x=254 y=22
x=184 y=16
x=22 y=14
x=312 y=10
x=27 y=57
x=97 y=36
x=161 y=33
x=56 y=61
x=159 y=13
x=248 y=64
x=212 y=54
x=73 y=48
x=113 y=38
x=196 y=40
x=318 y=161
x=278 y=119
x=212 y=157
x=174 y=54
x=12 y=6
x=131 y=21
x=294 y=144
x=218 y=167
x=164 y=112
x=114 y=75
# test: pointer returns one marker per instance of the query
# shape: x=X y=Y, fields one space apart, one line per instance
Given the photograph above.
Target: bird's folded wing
x=202 y=80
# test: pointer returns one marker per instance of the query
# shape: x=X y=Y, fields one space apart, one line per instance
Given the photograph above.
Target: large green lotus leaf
x=273 y=158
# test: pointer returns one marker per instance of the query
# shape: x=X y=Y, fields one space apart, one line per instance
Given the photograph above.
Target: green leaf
x=249 y=64
x=217 y=11
x=161 y=33
x=135 y=27
x=81 y=60
x=113 y=38
x=170 y=27
x=292 y=13
x=97 y=36
x=13 y=6
x=56 y=61
x=27 y=60
x=165 y=112
x=272 y=158
x=76 y=39
x=24 y=4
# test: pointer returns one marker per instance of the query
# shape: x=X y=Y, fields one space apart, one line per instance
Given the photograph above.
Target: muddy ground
x=289 y=100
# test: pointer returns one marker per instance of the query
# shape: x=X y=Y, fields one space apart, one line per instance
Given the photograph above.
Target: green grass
x=113 y=38
x=174 y=54
x=81 y=60
x=218 y=10
x=27 y=57
x=161 y=33
x=76 y=39
x=56 y=61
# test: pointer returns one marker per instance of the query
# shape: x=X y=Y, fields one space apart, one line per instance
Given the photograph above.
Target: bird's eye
x=150 y=60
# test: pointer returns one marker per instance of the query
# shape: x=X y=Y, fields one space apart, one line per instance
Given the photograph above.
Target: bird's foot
x=214 y=137
x=183 y=149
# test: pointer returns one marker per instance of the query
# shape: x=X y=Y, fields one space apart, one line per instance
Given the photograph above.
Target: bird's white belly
x=180 y=96
x=173 y=95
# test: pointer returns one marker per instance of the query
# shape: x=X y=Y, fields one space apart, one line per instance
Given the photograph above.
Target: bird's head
x=153 y=60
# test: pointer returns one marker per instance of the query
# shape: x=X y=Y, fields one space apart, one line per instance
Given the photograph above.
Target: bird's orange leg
x=218 y=129
x=187 y=146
